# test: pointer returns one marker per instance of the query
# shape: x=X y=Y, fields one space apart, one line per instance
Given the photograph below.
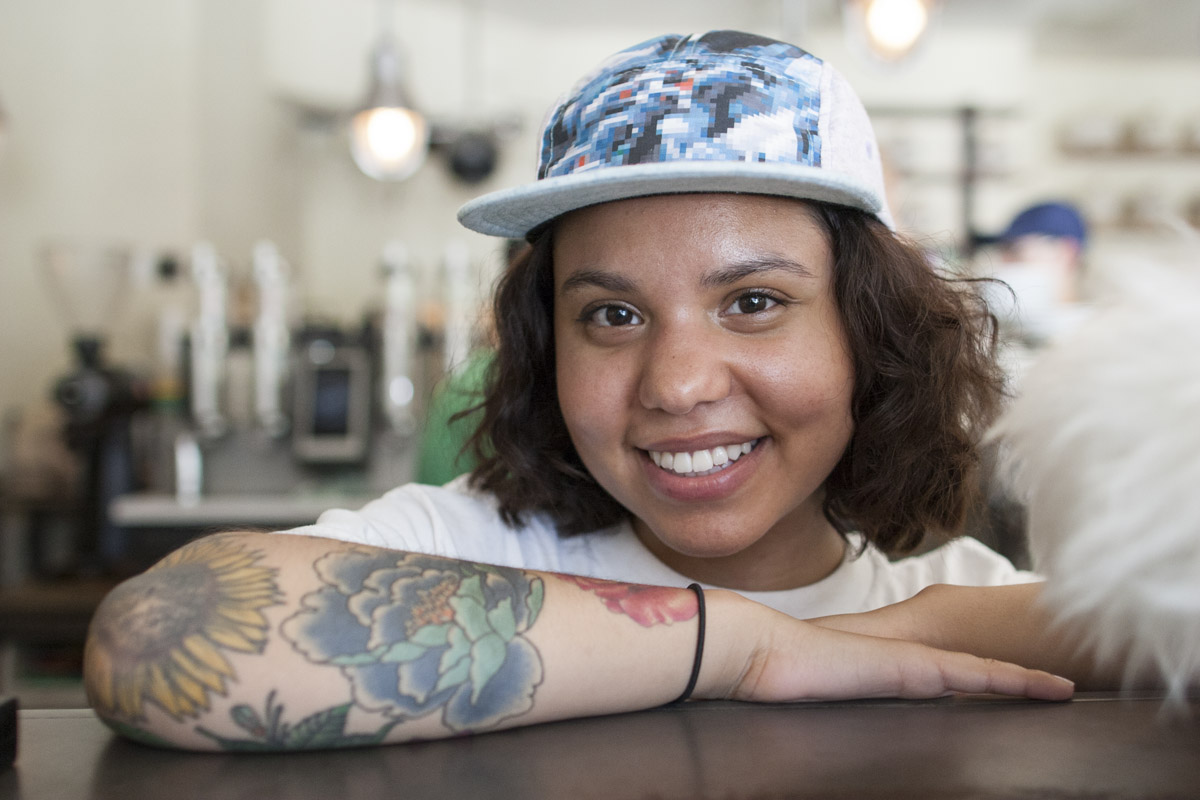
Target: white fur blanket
x=1103 y=445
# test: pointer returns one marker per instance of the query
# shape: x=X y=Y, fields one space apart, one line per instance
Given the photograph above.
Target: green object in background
x=440 y=458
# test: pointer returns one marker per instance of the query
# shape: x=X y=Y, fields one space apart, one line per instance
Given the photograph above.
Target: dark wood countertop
x=1097 y=746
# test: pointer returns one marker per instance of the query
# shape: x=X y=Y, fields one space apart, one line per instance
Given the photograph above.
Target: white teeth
x=701 y=462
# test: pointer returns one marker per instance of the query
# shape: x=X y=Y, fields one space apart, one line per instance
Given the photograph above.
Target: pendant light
x=889 y=29
x=389 y=139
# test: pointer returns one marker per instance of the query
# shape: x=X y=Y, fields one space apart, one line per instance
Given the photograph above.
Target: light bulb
x=388 y=143
x=894 y=26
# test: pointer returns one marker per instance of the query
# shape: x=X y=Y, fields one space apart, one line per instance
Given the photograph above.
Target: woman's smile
x=704 y=376
x=705 y=475
x=698 y=463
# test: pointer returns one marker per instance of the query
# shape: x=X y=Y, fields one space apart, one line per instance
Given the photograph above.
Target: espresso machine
x=282 y=404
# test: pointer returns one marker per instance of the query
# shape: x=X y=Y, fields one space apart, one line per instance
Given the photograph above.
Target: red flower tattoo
x=645 y=605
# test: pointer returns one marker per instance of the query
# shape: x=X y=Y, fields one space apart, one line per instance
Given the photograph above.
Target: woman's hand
x=762 y=655
x=1007 y=623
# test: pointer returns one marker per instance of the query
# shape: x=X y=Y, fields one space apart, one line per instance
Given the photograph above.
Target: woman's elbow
x=158 y=645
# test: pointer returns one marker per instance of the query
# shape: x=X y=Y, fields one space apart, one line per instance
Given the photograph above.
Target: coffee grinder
x=88 y=283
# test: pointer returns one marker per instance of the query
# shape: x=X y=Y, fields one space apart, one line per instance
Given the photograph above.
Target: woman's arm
x=1008 y=623
x=248 y=641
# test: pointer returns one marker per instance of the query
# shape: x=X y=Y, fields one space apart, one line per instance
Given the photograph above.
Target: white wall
x=102 y=142
x=160 y=122
x=468 y=62
x=1162 y=97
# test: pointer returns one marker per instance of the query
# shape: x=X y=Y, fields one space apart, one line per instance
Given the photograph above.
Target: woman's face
x=705 y=378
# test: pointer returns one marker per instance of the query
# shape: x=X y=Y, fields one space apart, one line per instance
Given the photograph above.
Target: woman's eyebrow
x=732 y=273
x=609 y=281
x=723 y=276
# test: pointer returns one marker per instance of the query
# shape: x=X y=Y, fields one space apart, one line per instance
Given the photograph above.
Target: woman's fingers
x=824 y=664
x=967 y=673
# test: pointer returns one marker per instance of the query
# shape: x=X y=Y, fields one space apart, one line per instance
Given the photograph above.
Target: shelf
x=42 y=629
x=270 y=511
x=1139 y=157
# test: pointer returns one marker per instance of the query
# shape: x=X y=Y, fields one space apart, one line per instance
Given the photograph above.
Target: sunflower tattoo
x=178 y=616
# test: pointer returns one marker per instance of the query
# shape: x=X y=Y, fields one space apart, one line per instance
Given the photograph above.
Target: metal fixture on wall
x=889 y=30
x=389 y=138
x=3 y=128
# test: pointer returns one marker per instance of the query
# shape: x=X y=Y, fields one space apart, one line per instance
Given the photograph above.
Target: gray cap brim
x=517 y=211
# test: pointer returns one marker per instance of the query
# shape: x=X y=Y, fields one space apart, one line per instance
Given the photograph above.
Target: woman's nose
x=684 y=366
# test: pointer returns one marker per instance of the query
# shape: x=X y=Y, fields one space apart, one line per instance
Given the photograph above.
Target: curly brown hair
x=926 y=387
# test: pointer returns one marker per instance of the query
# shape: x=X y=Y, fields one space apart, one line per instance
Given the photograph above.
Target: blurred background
x=231 y=295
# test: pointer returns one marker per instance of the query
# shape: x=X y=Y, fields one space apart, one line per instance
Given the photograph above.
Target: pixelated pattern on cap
x=725 y=96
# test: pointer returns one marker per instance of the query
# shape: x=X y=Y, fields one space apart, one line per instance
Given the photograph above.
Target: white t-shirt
x=457 y=522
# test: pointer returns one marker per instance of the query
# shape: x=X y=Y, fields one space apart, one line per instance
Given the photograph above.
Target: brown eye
x=612 y=316
x=752 y=303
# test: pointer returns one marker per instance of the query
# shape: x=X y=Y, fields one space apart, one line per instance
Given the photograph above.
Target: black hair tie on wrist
x=691 y=684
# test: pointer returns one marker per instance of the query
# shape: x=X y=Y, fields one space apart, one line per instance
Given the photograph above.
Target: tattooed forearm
x=159 y=637
x=417 y=634
x=253 y=641
x=646 y=605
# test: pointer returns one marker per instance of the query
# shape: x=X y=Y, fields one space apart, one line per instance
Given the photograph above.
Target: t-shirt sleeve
x=406 y=518
x=962 y=562
x=453 y=521
x=966 y=561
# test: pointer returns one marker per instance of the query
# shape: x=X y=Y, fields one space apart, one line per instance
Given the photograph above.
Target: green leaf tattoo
x=418 y=634
x=325 y=729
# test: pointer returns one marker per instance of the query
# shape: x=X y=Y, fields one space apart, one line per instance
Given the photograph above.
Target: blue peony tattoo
x=416 y=633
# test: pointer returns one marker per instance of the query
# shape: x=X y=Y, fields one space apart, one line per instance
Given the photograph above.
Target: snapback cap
x=722 y=112
x=1056 y=219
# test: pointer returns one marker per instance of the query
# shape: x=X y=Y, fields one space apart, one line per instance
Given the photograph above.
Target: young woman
x=725 y=392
